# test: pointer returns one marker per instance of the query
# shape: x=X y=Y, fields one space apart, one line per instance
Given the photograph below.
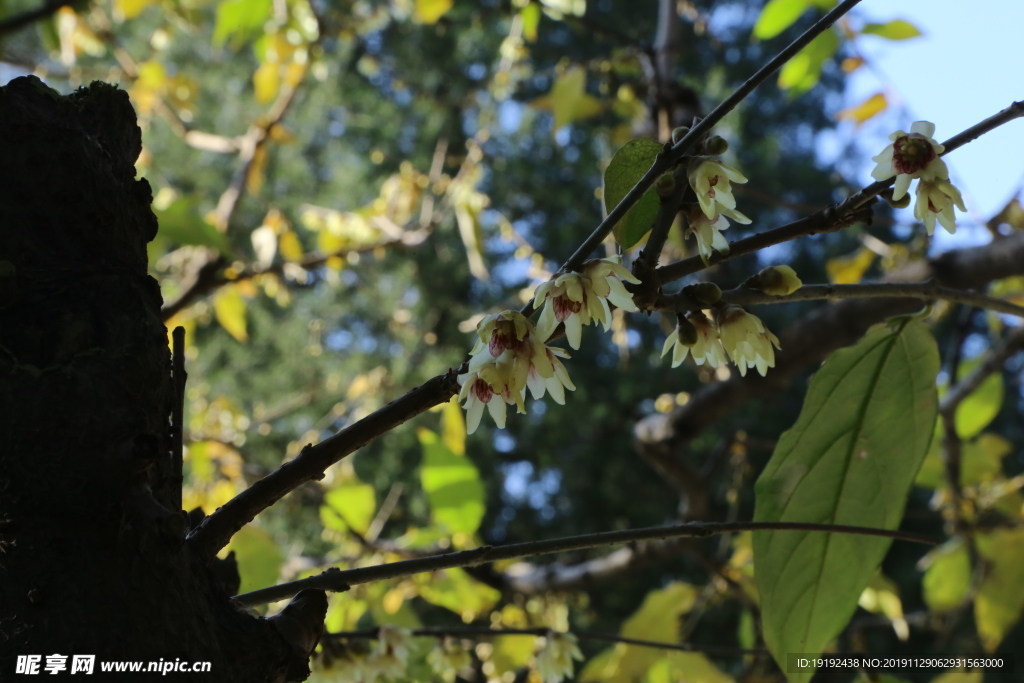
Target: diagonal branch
x=20 y=21
x=338 y=580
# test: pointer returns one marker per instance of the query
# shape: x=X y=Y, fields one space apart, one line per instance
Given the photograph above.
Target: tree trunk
x=93 y=559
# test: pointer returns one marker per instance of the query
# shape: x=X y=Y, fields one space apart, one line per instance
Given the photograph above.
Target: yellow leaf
x=257 y=171
x=132 y=8
x=266 y=81
x=851 y=64
x=229 y=306
x=281 y=133
x=530 y=16
x=429 y=11
x=569 y=100
x=453 y=427
x=849 y=269
x=290 y=247
x=1000 y=598
x=860 y=113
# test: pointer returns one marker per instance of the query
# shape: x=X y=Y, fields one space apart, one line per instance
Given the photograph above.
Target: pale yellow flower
x=747 y=341
x=557 y=383
x=711 y=181
x=554 y=661
x=911 y=155
x=706 y=348
x=935 y=200
x=578 y=299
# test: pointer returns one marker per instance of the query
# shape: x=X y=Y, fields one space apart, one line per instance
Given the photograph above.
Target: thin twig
x=993 y=362
x=19 y=21
x=377 y=525
x=887 y=290
x=486 y=632
x=338 y=580
x=671 y=156
x=853 y=209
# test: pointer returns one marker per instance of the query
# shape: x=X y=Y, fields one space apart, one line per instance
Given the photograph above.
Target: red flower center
x=564 y=307
x=911 y=153
x=482 y=390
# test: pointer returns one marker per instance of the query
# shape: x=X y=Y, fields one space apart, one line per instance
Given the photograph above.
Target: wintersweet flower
x=490 y=384
x=578 y=299
x=710 y=180
x=745 y=338
x=708 y=231
x=935 y=199
x=392 y=652
x=554 y=661
x=514 y=339
x=911 y=155
x=706 y=346
x=448 y=658
x=557 y=383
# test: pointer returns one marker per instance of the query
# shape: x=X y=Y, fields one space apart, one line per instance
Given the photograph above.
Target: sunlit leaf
x=692 y=667
x=571 y=7
x=452 y=484
x=530 y=16
x=1000 y=600
x=259 y=558
x=803 y=71
x=290 y=246
x=429 y=11
x=181 y=224
x=132 y=8
x=777 y=16
x=569 y=99
x=860 y=113
x=467 y=218
x=898 y=29
x=947 y=578
x=980 y=407
x=453 y=427
x=960 y=677
x=455 y=590
x=354 y=502
x=257 y=171
x=266 y=81
x=657 y=619
x=850 y=269
x=851 y=457
x=882 y=596
x=626 y=169
x=229 y=307
x=240 y=20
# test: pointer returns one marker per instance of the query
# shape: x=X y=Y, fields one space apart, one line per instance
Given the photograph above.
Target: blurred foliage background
x=345 y=188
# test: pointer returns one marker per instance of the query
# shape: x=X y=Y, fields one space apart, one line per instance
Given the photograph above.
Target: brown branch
x=217 y=529
x=338 y=580
x=20 y=21
x=672 y=155
x=853 y=209
x=178 y=412
x=872 y=290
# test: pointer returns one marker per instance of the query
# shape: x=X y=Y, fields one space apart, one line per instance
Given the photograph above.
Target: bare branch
x=877 y=290
x=338 y=580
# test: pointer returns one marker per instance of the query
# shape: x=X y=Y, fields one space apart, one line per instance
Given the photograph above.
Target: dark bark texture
x=92 y=551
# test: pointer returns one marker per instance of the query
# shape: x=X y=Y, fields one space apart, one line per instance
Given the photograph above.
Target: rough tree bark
x=92 y=551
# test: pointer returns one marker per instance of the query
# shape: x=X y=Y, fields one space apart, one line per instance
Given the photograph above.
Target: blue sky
x=966 y=67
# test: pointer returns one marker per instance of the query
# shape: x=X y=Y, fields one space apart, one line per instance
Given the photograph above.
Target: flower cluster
x=509 y=357
x=578 y=299
x=554 y=661
x=916 y=155
x=712 y=180
x=448 y=658
x=735 y=333
x=356 y=662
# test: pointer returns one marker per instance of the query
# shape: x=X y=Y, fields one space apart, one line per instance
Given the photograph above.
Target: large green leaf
x=1000 y=600
x=454 y=589
x=452 y=484
x=981 y=406
x=259 y=559
x=352 y=504
x=777 y=16
x=802 y=72
x=850 y=459
x=626 y=169
x=240 y=20
x=948 y=576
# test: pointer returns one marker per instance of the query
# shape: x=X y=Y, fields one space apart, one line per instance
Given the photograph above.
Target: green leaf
x=259 y=558
x=897 y=29
x=981 y=407
x=229 y=307
x=354 y=502
x=429 y=11
x=692 y=667
x=530 y=16
x=453 y=589
x=626 y=169
x=657 y=619
x=777 y=16
x=803 y=71
x=240 y=20
x=850 y=458
x=452 y=484
x=1000 y=600
x=948 y=576
x=569 y=99
x=181 y=224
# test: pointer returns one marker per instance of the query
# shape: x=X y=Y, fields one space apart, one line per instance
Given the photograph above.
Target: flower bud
x=679 y=133
x=776 y=280
x=716 y=145
x=704 y=293
x=687 y=332
x=665 y=186
x=901 y=203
